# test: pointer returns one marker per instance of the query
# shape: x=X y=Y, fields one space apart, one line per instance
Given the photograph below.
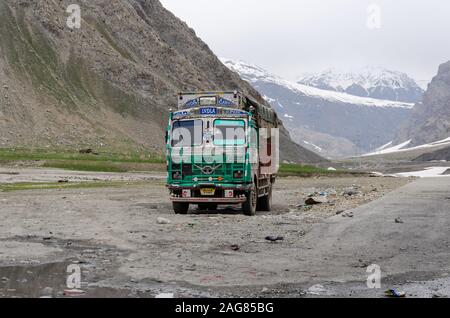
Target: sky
x=292 y=37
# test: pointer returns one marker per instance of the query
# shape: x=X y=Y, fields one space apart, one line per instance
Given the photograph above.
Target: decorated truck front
x=213 y=153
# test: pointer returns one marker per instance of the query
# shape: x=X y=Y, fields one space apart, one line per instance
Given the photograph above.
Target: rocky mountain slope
x=373 y=82
x=107 y=85
x=431 y=118
x=333 y=124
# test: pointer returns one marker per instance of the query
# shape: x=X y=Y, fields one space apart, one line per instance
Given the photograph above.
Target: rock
x=235 y=247
x=331 y=193
x=339 y=212
x=316 y=200
x=350 y=192
x=47 y=291
x=274 y=238
x=161 y=220
x=398 y=220
x=316 y=289
x=348 y=214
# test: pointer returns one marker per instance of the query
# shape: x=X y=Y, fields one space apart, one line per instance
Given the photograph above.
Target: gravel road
x=113 y=234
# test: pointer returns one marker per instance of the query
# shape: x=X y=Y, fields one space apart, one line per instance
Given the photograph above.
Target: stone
x=161 y=220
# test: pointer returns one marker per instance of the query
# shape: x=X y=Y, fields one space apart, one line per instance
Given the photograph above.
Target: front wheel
x=265 y=202
x=249 y=206
x=180 y=207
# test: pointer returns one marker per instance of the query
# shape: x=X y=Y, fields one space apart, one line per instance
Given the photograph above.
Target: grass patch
x=308 y=171
x=7 y=154
x=97 y=166
x=103 y=166
x=21 y=186
x=102 y=162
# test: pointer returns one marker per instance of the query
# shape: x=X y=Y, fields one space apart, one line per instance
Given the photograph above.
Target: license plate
x=207 y=191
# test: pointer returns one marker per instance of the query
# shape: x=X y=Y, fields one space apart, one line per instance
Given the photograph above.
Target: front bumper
x=209 y=200
x=241 y=187
x=218 y=198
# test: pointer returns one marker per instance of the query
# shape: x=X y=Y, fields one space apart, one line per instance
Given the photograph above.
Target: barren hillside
x=107 y=85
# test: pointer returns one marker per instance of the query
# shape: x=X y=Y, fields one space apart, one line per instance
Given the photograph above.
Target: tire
x=249 y=206
x=180 y=207
x=207 y=206
x=265 y=202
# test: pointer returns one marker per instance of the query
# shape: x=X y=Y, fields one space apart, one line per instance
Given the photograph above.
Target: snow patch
x=268 y=99
x=384 y=150
x=313 y=145
x=384 y=146
x=400 y=147
x=427 y=173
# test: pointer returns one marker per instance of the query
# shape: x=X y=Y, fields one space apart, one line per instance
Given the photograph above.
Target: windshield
x=187 y=133
x=229 y=132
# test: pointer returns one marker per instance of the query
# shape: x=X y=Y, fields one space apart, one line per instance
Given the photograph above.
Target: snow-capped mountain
x=333 y=124
x=373 y=82
x=253 y=73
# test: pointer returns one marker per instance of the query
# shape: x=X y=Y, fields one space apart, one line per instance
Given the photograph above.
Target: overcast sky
x=290 y=37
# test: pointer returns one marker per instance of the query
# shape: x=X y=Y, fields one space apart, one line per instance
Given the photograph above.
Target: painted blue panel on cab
x=191 y=103
x=208 y=111
x=224 y=102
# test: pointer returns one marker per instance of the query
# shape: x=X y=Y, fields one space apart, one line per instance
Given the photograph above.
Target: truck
x=221 y=149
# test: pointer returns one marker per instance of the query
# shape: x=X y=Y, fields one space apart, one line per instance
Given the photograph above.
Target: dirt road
x=114 y=236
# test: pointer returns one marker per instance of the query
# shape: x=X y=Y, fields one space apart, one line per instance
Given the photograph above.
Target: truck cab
x=214 y=152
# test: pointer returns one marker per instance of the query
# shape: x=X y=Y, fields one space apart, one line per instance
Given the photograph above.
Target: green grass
x=308 y=171
x=84 y=165
x=70 y=160
x=21 y=186
x=131 y=161
x=43 y=154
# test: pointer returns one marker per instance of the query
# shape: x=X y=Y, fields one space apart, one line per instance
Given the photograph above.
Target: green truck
x=221 y=149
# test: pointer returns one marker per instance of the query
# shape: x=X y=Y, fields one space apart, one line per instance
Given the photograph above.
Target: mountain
x=107 y=85
x=431 y=118
x=373 y=82
x=331 y=123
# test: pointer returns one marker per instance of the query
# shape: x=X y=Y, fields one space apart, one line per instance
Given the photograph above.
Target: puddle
x=50 y=280
x=34 y=279
x=99 y=275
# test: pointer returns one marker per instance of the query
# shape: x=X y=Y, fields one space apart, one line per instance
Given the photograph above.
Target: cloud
x=289 y=37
